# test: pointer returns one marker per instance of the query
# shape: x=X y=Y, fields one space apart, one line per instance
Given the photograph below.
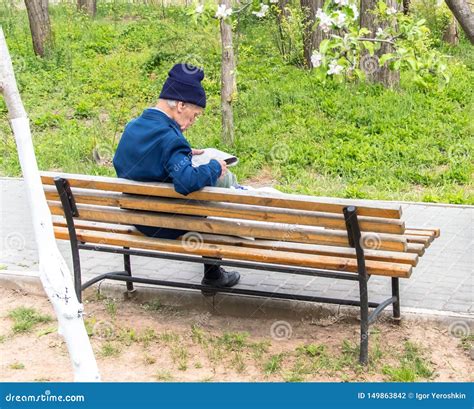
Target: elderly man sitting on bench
x=154 y=149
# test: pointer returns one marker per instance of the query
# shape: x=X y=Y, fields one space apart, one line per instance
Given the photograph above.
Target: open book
x=211 y=153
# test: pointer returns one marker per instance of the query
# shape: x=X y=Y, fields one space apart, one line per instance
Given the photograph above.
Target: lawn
x=301 y=135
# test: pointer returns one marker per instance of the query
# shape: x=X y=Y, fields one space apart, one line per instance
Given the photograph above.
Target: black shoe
x=226 y=279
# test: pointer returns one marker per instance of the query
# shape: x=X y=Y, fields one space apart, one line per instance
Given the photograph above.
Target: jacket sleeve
x=186 y=178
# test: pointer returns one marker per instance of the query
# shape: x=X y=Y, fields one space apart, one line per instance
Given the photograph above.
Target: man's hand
x=223 y=167
x=197 y=151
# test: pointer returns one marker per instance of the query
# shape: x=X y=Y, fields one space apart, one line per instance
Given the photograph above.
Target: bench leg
x=70 y=211
x=354 y=237
x=396 y=304
x=364 y=320
x=128 y=268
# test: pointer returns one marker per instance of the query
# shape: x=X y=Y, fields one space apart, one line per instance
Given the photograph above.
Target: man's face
x=186 y=114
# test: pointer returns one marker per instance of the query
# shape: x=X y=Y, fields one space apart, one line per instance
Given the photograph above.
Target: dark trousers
x=210 y=270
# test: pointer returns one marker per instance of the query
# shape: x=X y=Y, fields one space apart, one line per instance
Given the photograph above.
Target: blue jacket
x=153 y=149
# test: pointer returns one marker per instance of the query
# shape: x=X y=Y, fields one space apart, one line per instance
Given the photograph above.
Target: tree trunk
x=54 y=272
x=88 y=6
x=451 y=35
x=312 y=35
x=282 y=6
x=228 y=80
x=373 y=72
x=280 y=35
x=406 y=6
x=463 y=13
x=40 y=26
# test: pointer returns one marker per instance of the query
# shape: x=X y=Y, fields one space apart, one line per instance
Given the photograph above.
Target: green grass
x=109 y=349
x=233 y=341
x=46 y=331
x=153 y=305
x=127 y=336
x=413 y=365
x=24 y=319
x=168 y=337
x=17 y=365
x=198 y=335
x=467 y=342
x=148 y=359
x=180 y=355
x=111 y=306
x=164 y=376
x=273 y=364
x=147 y=336
x=344 y=140
x=238 y=362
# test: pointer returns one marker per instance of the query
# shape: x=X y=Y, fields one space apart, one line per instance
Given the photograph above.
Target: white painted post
x=54 y=272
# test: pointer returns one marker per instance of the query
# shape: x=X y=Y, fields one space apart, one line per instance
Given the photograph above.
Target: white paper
x=212 y=153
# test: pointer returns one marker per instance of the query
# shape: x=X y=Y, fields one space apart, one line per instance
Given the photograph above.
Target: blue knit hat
x=184 y=84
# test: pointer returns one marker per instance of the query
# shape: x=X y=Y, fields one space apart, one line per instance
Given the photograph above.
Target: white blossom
x=340 y=19
x=335 y=68
x=391 y=10
x=379 y=32
x=199 y=9
x=325 y=21
x=316 y=59
x=274 y=1
x=342 y=2
x=262 y=12
x=222 y=12
x=355 y=11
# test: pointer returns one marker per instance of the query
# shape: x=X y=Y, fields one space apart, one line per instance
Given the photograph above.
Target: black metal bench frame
x=353 y=233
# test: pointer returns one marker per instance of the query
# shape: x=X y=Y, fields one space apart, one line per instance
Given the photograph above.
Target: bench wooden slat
x=98 y=226
x=432 y=232
x=416 y=248
x=318 y=204
x=390 y=256
x=425 y=240
x=231 y=210
x=230 y=227
x=232 y=252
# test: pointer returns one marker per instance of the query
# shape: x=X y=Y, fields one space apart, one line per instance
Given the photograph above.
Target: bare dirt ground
x=153 y=342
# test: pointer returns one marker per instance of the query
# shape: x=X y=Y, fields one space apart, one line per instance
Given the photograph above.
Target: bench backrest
x=286 y=218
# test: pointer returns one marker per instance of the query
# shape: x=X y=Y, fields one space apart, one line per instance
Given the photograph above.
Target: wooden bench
x=304 y=235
